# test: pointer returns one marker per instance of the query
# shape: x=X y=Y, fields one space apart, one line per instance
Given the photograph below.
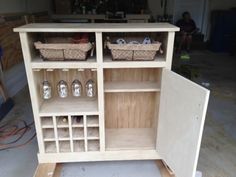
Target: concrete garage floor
x=218 y=151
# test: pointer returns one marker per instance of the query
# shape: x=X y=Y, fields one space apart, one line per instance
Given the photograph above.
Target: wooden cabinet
x=142 y=110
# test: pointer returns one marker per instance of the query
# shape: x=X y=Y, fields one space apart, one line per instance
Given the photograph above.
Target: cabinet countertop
x=97 y=27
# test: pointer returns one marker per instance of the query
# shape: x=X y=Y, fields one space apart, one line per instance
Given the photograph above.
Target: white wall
x=221 y=4
x=8 y=6
x=214 y=5
x=155 y=7
x=38 y=5
x=15 y=6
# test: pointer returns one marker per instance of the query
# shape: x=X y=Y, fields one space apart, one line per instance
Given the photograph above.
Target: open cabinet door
x=181 y=120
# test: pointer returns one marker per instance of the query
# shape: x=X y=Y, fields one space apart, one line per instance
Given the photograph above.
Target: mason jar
x=46 y=90
x=90 y=88
x=76 y=88
x=62 y=89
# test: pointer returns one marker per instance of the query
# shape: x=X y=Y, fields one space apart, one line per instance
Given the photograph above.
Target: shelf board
x=111 y=87
x=78 y=138
x=159 y=61
x=70 y=105
x=39 y=63
x=49 y=139
x=130 y=139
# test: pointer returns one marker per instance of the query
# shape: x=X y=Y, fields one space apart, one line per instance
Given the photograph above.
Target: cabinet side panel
x=35 y=100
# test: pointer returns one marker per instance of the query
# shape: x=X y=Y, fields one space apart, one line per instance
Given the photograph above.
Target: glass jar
x=62 y=89
x=46 y=90
x=76 y=88
x=90 y=88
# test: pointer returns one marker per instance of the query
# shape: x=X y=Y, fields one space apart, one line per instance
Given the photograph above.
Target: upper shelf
x=116 y=87
x=70 y=105
x=39 y=63
x=159 y=61
x=97 y=27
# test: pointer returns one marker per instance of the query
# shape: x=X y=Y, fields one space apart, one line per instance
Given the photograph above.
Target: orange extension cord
x=12 y=131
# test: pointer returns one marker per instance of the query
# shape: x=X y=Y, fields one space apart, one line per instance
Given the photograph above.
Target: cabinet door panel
x=181 y=120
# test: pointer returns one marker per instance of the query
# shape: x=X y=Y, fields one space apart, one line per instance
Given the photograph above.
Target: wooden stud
x=48 y=170
x=163 y=169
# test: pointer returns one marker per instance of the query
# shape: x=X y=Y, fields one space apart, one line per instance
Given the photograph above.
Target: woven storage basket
x=63 y=51
x=134 y=51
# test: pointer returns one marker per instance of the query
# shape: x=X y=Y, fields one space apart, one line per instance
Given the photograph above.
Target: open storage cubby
x=131 y=108
x=132 y=36
x=93 y=121
x=79 y=146
x=64 y=146
x=47 y=122
x=77 y=121
x=63 y=133
x=77 y=133
x=132 y=80
x=48 y=134
x=44 y=37
x=93 y=145
x=62 y=122
x=50 y=147
x=69 y=104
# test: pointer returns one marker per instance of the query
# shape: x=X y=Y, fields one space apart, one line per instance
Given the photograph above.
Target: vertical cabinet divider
x=85 y=134
x=99 y=46
x=56 y=134
x=71 y=135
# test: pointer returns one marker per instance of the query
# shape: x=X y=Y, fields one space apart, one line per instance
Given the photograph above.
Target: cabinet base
x=98 y=156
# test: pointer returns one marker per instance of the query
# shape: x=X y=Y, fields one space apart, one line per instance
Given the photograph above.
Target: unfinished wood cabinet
x=142 y=110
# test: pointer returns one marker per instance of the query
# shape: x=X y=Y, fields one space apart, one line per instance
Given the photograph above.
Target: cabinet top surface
x=97 y=27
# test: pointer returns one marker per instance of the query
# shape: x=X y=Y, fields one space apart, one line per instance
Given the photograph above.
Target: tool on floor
x=184 y=56
x=8 y=103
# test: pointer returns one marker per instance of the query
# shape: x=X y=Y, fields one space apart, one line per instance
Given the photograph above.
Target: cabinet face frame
x=100 y=65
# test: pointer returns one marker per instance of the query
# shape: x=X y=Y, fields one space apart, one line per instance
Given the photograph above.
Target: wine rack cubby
x=66 y=134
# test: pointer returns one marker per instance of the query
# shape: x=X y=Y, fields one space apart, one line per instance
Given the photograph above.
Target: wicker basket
x=134 y=51
x=63 y=51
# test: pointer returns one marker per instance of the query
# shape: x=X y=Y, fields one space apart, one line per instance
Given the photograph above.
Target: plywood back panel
x=130 y=110
x=69 y=76
x=137 y=74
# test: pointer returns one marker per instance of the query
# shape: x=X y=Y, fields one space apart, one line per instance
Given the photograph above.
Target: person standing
x=187 y=29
